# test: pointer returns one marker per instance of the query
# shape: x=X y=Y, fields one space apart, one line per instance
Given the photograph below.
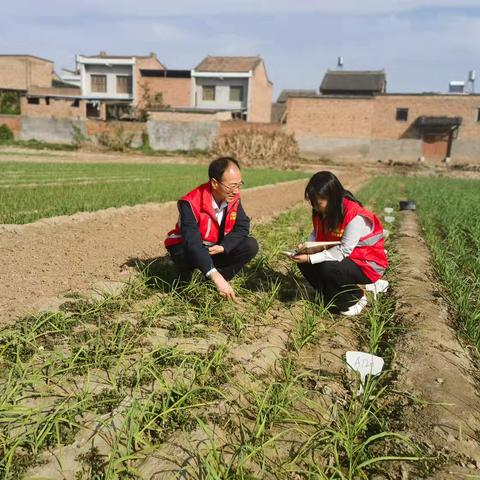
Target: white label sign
x=365 y=364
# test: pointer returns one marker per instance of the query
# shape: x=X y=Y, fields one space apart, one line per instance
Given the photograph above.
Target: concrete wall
x=466 y=150
x=332 y=147
x=181 y=135
x=188 y=116
x=409 y=148
x=50 y=129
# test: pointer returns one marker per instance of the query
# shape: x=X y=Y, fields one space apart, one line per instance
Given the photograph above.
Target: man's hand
x=223 y=287
x=215 y=249
x=302 y=258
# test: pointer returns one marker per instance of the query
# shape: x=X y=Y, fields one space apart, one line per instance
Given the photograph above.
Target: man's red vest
x=200 y=200
x=369 y=254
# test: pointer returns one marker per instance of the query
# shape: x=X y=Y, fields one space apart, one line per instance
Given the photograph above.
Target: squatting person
x=359 y=259
x=212 y=233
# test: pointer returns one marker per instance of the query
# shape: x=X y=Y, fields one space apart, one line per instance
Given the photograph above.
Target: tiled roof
x=353 y=81
x=227 y=64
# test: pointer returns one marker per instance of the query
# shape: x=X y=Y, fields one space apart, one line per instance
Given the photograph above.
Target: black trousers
x=228 y=264
x=337 y=282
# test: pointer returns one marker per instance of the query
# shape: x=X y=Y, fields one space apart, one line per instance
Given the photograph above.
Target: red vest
x=369 y=254
x=200 y=200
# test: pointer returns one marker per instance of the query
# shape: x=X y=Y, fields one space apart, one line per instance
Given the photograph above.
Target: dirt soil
x=48 y=259
x=435 y=368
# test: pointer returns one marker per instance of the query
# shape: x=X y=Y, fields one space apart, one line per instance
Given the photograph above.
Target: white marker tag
x=388 y=210
x=365 y=364
x=389 y=219
x=386 y=233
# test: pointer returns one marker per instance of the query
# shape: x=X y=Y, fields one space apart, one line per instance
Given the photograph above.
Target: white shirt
x=357 y=228
x=219 y=212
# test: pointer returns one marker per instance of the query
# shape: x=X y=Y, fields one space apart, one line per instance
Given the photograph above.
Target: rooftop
x=228 y=64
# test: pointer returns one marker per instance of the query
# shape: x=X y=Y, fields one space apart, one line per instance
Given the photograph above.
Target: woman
x=360 y=258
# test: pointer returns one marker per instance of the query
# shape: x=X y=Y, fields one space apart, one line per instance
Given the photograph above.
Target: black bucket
x=407 y=205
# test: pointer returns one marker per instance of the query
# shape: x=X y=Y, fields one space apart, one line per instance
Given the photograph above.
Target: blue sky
x=421 y=44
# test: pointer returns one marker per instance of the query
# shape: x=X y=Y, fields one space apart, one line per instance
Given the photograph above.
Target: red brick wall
x=13 y=122
x=330 y=117
x=375 y=118
x=260 y=108
x=385 y=126
x=57 y=108
x=176 y=91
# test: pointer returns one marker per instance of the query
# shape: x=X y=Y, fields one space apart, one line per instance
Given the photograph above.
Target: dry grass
x=257 y=148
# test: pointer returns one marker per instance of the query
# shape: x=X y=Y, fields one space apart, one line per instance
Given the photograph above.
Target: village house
x=353 y=116
x=236 y=84
x=112 y=85
x=30 y=86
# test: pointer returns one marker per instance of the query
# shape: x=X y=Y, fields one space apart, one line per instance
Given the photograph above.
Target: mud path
x=434 y=367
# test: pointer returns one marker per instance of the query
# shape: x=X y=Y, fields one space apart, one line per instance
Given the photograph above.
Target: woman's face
x=321 y=205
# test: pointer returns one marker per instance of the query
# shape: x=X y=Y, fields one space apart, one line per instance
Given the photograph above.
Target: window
x=124 y=84
x=239 y=116
x=93 y=110
x=76 y=103
x=208 y=92
x=236 y=94
x=402 y=114
x=33 y=101
x=47 y=100
x=478 y=114
x=99 y=83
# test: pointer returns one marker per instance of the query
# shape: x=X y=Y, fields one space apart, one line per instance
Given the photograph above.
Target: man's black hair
x=217 y=167
x=327 y=185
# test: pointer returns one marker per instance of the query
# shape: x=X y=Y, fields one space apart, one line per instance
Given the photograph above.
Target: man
x=212 y=233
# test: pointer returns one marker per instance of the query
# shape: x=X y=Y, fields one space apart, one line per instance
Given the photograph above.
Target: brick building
x=387 y=126
x=39 y=90
x=354 y=116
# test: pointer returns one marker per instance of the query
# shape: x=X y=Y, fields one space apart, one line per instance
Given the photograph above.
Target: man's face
x=230 y=184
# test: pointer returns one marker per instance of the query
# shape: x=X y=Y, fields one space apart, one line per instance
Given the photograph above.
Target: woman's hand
x=302 y=258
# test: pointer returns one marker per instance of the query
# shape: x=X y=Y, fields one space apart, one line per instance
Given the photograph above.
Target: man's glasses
x=232 y=187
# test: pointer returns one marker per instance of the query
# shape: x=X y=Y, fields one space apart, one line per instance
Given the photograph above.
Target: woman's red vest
x=200 y=200
x=369 y=254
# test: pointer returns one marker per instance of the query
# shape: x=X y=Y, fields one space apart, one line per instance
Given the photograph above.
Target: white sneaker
x=380 y=286
x=357 y=308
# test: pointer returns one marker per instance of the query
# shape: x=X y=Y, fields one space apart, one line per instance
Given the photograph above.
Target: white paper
x=365 y=364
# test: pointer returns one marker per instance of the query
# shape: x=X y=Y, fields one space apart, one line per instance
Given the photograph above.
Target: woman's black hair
x=217 y=167
x=327 y=185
